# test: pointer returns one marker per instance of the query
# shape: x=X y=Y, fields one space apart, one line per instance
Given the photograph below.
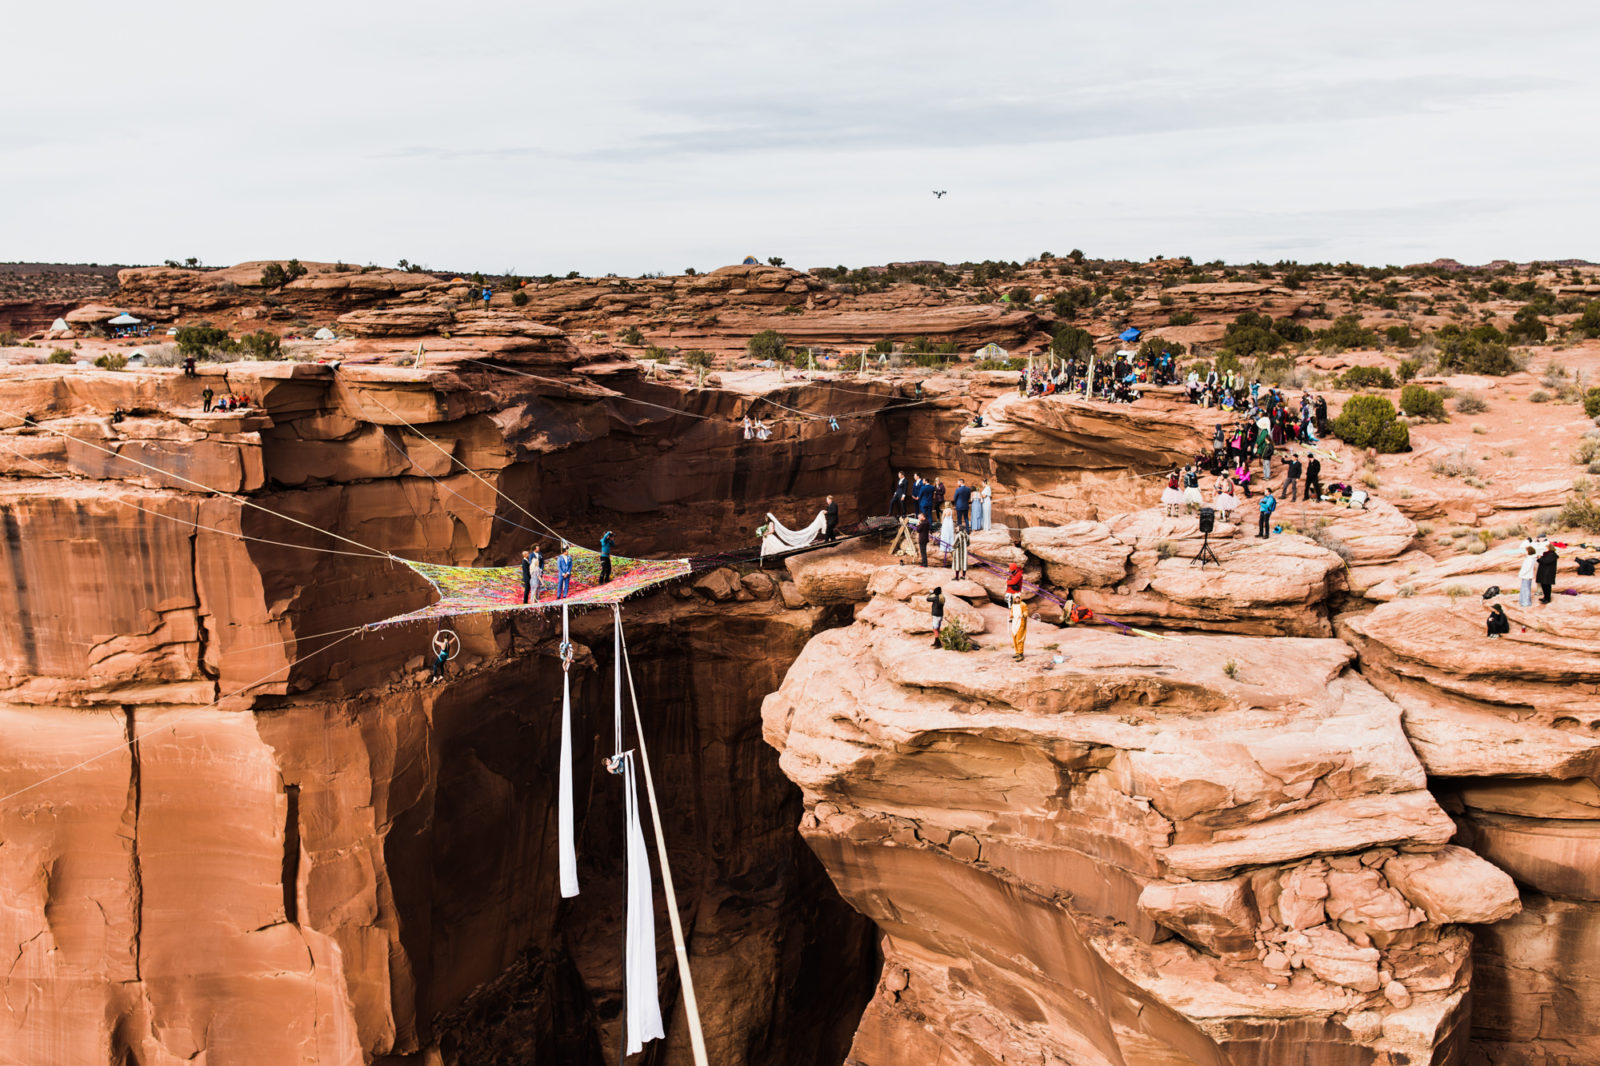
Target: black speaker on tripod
x=1208 y=522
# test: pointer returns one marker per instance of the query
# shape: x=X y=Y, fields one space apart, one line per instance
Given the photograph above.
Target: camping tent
x=323 y=334
x=1129 y=334
x=59 y=326
x=991 y=351
x=125 y=319
x=751 y=261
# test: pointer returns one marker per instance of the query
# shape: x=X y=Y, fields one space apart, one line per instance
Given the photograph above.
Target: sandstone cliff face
x=223 y=855
x=1029 y=838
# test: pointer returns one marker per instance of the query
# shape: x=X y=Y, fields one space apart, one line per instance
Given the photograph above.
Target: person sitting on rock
x=1499 y=625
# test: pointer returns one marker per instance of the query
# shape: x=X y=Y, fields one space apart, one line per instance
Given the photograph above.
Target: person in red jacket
x=1014 y=580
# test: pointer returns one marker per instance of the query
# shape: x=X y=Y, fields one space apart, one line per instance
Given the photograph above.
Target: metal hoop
x=452 y=642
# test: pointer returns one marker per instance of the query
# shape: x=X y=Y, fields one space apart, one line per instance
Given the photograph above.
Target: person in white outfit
x=1525 y=576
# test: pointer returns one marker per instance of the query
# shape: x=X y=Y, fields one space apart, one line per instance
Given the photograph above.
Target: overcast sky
x=636 y=137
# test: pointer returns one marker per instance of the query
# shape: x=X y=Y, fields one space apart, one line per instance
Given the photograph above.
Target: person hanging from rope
x=564 y=572
x=605 y=557
x=831 y=516
x=749 y=430
x=441 y=655
x=762 y=432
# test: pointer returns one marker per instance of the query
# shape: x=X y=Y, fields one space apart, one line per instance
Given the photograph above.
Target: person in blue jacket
x=564 y=572
x=925 y=493
x=1268 y=505
x=605 y=557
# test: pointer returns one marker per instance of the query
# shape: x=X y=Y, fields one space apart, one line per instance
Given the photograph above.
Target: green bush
x=953 y=637
x=59 y=356
x=634 y=335
x=1367 y=377
x=1347 y=332
x=275 y=275
x=519 y=298
x=259 y=345
x=768 y=344
x=111 y=361
x=1591 y=402
x=1480 y=350
x=1182 y=318
x=201 y=340
x=1408 y=369
x=1472 y=403
x=1401 y=336
x=1588 y=323
x=1021 y=296
x=1155 y=345
x=697 y=357
x=1423 y=402
x=1370 y=422
x=1580 y=513
x=1071 y=341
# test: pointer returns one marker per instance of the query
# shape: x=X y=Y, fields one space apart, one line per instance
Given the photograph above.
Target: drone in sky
x=940 y=192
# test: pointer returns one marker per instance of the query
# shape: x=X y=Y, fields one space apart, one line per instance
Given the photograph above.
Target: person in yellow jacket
x=1019 y=626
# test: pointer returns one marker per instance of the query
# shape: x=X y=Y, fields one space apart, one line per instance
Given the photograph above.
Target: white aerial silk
x=780 y=538
x=565 y=846
x=643 y=1005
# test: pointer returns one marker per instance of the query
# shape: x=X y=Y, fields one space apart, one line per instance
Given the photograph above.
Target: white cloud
x=636 y=136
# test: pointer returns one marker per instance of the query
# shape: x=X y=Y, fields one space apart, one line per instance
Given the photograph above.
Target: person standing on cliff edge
x=897 y=502
x=605 y=557
x=963 y=502
x=564 y=572
x=1019 y=626
x=936 y=607
x=831 y=516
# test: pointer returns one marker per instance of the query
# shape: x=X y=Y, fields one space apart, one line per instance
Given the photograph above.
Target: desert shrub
x=60 y=355
x=1405 y=592
x=275 y=275
x=1538 y=396
x=1408 y=369
x=635 y=335
x=1455 y=592
x=1231 y=668
x=261 y=344
x=1422 y=402
x=1165 y=550
x=1480 y=350
x=1401 y=336
x=1347 y=332
x=1369 y=422
x=1456 y=464
x=1181 y=318
x=1471 y=403
x=1257 y=334
x=954 y=636
x=1020 y=295
x=1580 y=512
x=697 y=357
x=519 y=298
x=1586 y=452
x=1526 y=328
x=1591 y=399
x=1155 y=345
x=1588 y=324
x=1367 y=377
x=201 y=340
x=768 y=344
x=1071 y=342
x=111 y=361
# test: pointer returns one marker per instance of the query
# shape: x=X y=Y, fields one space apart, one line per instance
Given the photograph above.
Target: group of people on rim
x=916 y=501
x=1116 y=379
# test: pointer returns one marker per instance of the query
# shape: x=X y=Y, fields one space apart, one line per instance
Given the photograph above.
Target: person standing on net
x=605 y=557
x=831 y=516
x=564 y=572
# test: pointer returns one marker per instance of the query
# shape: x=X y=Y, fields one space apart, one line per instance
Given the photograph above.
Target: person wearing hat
x=1499 y=625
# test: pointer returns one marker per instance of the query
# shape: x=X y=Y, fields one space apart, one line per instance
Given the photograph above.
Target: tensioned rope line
x=47 y=472
x=691 y=1007
x=540 y=522
x=28 y=420
x=494 y=515
x=180 y=716
x=693 y=414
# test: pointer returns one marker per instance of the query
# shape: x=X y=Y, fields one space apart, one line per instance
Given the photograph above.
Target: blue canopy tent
x=1129 y=334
